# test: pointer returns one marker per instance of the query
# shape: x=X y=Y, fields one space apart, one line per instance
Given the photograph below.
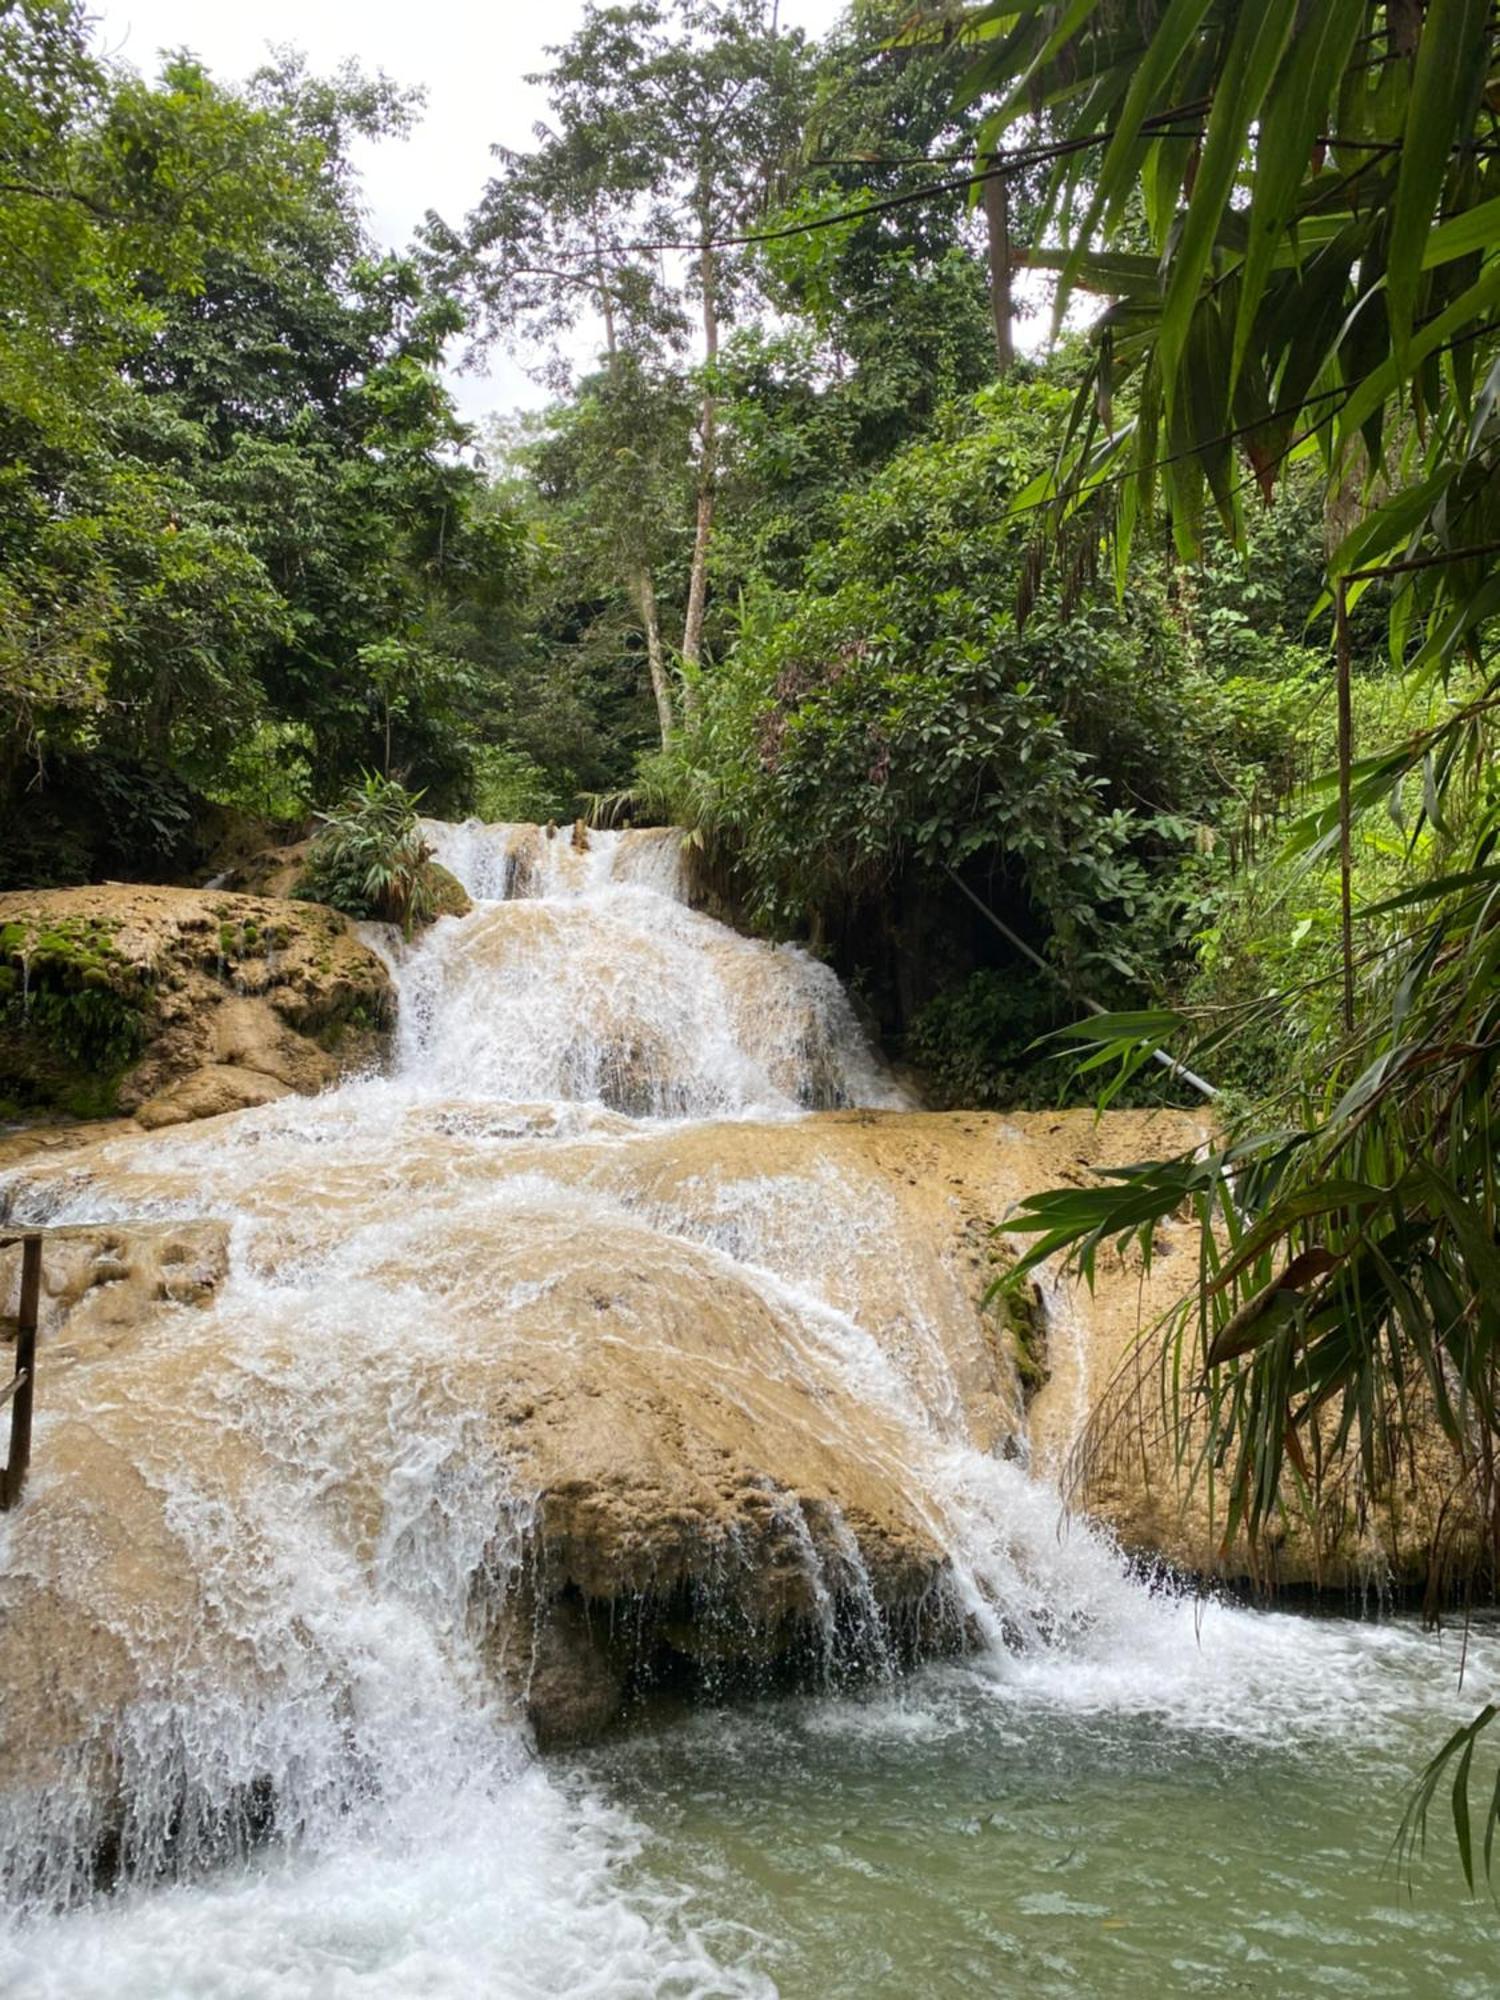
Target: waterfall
x=585 y=978
x=620 y=1153
x=302 y=1630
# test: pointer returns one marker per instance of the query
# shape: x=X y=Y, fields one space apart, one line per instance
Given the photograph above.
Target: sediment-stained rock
x=178 y=1004
x=1126 y=1425
x=703 y=1367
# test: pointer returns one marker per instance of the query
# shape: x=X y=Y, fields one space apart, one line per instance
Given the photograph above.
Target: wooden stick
x=1346 y=761
x=21 y=1388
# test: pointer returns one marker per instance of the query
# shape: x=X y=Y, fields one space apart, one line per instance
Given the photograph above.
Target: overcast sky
x=472 y=59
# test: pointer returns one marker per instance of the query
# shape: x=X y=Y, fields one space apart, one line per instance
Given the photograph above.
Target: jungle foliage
x=369 y=857
x=1320 y=286
x=892 y=713
x=241 y=552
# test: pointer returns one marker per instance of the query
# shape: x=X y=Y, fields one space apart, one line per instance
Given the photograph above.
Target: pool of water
x=983 y=1832
x=1210 y=1813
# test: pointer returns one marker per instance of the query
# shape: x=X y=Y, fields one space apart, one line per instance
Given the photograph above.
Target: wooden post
x=23 y=1382
x=1346 y=762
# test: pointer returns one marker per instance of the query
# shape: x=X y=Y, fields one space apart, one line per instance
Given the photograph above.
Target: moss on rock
x=116 y=998
x=73 y=1013
x=446 y=895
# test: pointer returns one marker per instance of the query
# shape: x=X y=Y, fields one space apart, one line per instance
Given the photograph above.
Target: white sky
x=472 y=58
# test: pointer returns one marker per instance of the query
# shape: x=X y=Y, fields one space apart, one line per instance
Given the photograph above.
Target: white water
x=587 y=979
x=337 y=1639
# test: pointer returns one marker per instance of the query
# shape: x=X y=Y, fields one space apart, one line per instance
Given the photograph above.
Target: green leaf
x=1445 y=89
x=1383 y=382
x=1475 y=229
x=1073 y=19
x=1294 y=117
x=1119 y=171
x=1436 y=890
x=1260 y=37
x=1153 y=1024
x=1461 y=1825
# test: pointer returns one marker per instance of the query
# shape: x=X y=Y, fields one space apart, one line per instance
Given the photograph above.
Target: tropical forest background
x=1016 y=486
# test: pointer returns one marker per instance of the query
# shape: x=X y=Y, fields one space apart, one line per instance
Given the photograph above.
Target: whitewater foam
x=329 y=1650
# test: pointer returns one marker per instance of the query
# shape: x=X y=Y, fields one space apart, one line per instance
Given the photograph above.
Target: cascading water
x=291 y=1532
x=588 y=981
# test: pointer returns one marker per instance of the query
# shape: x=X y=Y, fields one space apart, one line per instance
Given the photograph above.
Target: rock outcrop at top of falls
x=279 y=872
x=175 y=1004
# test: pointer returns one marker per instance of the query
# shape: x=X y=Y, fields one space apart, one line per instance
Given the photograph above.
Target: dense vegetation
x=241 y=554
x=751 y=568
x=1320 y=204
x=1009 y=682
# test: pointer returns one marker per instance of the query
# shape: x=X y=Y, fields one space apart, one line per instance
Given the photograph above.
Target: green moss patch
x=1021 y=1320
x=72 y=1014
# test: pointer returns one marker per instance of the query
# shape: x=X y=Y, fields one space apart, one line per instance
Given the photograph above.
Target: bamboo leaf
x=1445 y=88
x=1294 y=114
x=1260 y=37
x=1154 y=1024
x=1436 y=890
x=1476 y=229
x=1461 y=1823
x=1073 y=18
x=1119 y=171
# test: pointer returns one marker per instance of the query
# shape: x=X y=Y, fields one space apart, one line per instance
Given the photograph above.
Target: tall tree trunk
x=997 y=224
x=645 y=603
x=642 y=589
x=708 y=458
x=1404 y=25
x=606 y=301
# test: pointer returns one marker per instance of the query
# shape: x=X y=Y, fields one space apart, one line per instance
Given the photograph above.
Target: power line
x=1002 y=165
x=1168 y=1062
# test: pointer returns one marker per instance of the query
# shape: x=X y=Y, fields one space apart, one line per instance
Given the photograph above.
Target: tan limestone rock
x=179 y=1004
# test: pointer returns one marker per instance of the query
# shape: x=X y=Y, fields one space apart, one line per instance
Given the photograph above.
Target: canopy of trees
x=240 y=551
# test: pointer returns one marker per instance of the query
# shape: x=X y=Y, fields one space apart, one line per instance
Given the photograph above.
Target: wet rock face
x=99 y=1281
x=568 y=1666
x=594 y=1339
x=179 y=1004
x=1134 y=1462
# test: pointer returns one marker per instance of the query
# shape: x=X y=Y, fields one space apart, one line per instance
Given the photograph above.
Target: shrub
x=370 y=858
x=896 y=719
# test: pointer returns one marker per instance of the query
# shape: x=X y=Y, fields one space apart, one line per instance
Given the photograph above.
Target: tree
x=670 y=123
x=888 y=118
x=612 y=468
x=122 y=596
x=1320 y=191
x=240 y=542
x=879 y=317
x=890 y=719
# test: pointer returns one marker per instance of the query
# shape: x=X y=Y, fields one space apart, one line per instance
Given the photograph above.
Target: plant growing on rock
x=71 y=1015
x=370 y=858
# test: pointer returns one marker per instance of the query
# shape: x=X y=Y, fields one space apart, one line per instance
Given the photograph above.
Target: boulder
x=448 y=896
x=278 y=872
x=269 y=871
x=176 y=1004
x=1129 y=1459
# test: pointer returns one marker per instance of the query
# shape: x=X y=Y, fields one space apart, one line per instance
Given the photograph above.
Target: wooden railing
x=18 y=1391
